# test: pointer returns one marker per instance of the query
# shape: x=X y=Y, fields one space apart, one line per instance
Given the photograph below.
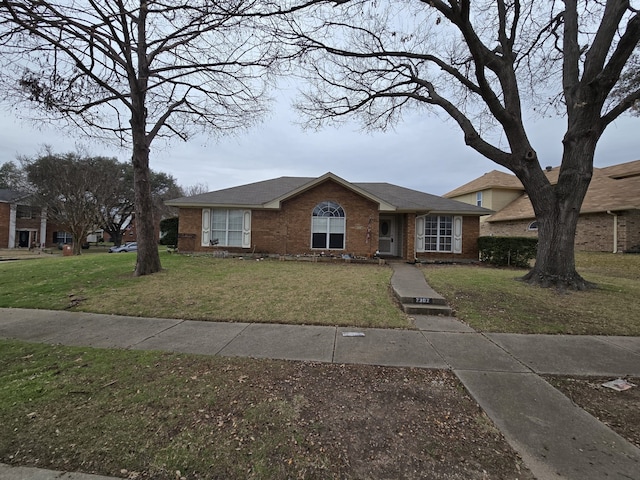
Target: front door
x=387 y=240
x=23 y=238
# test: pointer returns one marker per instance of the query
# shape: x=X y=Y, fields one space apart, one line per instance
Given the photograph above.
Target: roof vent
x=548 y=168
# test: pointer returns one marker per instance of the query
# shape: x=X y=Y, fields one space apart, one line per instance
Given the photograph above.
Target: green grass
x=204 y=288
x=491 y=299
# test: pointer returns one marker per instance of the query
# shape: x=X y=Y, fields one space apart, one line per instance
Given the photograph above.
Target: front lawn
x=204 y=288
x=492 y=300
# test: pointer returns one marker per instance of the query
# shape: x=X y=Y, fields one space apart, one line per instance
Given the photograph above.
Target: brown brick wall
x=594 y=232
x=515 y=228
x=28 y=224
x=470 y=234
x=268 y=231
x=409 y=237
x=190 y=230
x=288 y=231
x=297 y=211
x=628 y=230
x=5 y=211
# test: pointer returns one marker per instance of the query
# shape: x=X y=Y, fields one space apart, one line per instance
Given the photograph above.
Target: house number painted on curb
x=422 y=300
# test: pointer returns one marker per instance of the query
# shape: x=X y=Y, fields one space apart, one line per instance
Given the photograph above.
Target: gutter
x=615 y=230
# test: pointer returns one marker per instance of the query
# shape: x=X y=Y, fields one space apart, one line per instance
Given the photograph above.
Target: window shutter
x=206 y=226
x=246 y=229
x=419 y=234
x=457 y=234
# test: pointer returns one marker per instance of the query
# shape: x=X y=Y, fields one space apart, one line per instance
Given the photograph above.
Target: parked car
x=127 y=247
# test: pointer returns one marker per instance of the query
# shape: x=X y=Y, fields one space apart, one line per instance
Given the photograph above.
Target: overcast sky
x=424 y=153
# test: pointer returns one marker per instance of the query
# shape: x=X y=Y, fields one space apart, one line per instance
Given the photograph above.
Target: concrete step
x=427 y=297
x=414 y=294
x=426 y=309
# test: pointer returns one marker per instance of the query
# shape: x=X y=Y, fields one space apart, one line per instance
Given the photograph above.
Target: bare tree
x=12 y=177
x=164 y=187
x=69 y=187
x=138 y=70
x=196 y=189
x=117 y=199
x=118 y=203
x=479 y=62
x=629 y=83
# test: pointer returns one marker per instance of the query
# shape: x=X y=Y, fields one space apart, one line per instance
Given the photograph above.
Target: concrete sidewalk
x=8 y=472
x=438 y=342
x=555 y=438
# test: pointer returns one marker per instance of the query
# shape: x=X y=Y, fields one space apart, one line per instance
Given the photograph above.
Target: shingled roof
x=10 y=196
x=493 y=179
x=269 y=194
x=611 y=189
x=623 y=170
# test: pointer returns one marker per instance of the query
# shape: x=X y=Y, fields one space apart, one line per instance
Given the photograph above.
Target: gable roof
x=269 y=194
x=276 y=202
x=605 y=194
x=622 y=170
x=408 y=200
x=493 y=179
x=250 y=195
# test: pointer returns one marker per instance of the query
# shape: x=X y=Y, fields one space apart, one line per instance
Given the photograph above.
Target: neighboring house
x=331 y=216
x=609 y=216
x=25 y=226
x=494 y=190
x=21 y=225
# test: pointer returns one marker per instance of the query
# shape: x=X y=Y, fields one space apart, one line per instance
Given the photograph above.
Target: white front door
x=387 y=240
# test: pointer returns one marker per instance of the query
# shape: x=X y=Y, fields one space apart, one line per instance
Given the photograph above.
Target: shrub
x=508 y=251
x=169 y=231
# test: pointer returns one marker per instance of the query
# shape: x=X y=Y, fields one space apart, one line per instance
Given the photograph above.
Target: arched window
x=328 y=226
x=533 y=226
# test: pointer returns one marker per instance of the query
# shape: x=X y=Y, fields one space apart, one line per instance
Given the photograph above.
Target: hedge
x=508 y=251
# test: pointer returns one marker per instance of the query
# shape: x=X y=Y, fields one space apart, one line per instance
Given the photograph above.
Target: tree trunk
x=115 y=236
x=79 y=237
x=148 y=257
x=77 y=245
x=557 y=209
x=555 y=259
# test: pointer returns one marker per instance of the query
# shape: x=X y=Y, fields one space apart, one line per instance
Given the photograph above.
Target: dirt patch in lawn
x=399 y=423
x=618 y=410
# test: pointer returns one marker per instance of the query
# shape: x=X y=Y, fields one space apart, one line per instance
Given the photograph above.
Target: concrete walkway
x=556 y=439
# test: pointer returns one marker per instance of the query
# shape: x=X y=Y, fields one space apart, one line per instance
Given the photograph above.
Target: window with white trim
x=226 y=227
x=439 y=233
x=479 y=199
x=533 y=226
x=328 y=226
